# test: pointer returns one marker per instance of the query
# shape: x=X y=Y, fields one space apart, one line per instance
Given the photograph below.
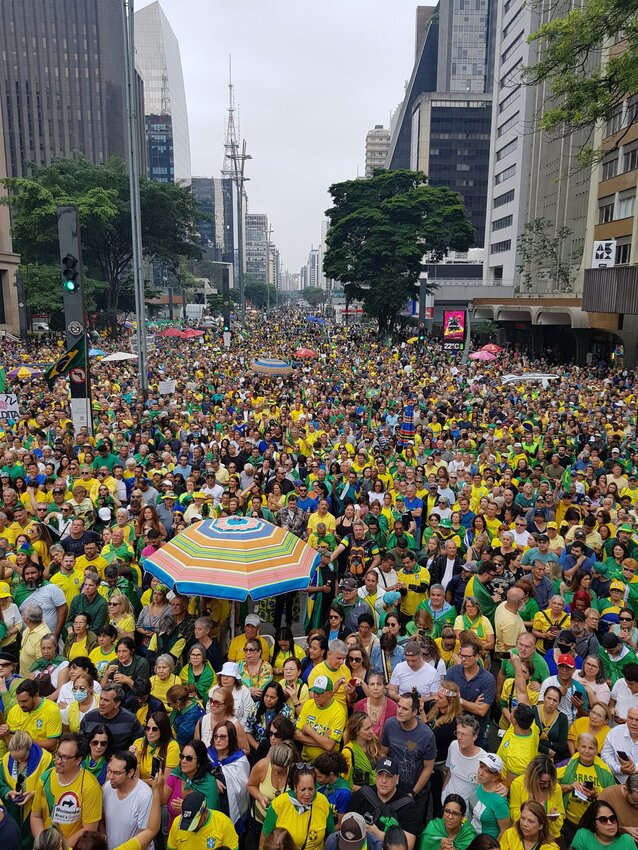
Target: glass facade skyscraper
x=158 y=58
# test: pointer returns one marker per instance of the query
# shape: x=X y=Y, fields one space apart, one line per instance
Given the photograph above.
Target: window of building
x=501 y=223
x=512 y=47
x=510 y=99
x=606 y=212
x=505 y=175
x=500 y=247
x=625 y=207
x=506 y=150
x=614 y=123
x=610 y=168
x=623 y=254
x=630 y=159
x=507 y=125
x=505 y=198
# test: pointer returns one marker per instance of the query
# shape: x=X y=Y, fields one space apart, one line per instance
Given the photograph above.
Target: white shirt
x=624 y=698
x=449 y=572
x=463 y=772
x=127 y=816
x=426 y=680
x=619 y=739
x=386 y=579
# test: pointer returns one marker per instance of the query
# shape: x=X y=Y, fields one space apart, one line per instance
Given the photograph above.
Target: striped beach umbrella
x=271 y=366
x=234 y=558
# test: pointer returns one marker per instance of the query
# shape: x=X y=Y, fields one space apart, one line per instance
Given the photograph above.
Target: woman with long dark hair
x=158 y=743
x=194 y=773
x=231 y=770
x=273 y=701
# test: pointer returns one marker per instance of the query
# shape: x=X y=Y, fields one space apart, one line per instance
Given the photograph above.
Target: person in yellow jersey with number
x=36 y=715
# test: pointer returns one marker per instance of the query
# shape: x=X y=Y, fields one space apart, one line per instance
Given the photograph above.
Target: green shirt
x=486 y=809
x=541 y=670
x=586 y=840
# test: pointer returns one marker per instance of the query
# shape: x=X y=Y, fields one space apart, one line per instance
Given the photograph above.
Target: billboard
x=454 y=326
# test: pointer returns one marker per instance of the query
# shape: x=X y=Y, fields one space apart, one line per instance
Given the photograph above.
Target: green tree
x=314 y=295
x=542 y=249
x=586 y=87
x=101 y=194
x=258 y=293
x=380 y=230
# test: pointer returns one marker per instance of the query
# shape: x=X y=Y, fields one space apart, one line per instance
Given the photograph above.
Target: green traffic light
x=70 y=285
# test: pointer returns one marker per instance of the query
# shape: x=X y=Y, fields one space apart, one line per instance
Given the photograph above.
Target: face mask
x=564 y=649
x=80 y=695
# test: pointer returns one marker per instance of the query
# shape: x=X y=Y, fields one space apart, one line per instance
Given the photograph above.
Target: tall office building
x=531 y=174
x=158 y=58
x=377 y=147
x=215 y=197
x=62 y=83
x=256 y=246
x=9 y=319
x=443 y=127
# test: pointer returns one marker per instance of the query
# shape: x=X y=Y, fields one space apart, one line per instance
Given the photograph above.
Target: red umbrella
x=191 y=333
x=492 y=348
x=482 y=355
x=305 y=352
x=171 y=332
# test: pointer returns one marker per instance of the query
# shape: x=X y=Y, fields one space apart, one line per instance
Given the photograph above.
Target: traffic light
x=226 y=326
x=421 y=333
x=70 y=273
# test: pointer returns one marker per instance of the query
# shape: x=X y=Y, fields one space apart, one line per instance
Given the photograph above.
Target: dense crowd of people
x=461 y=671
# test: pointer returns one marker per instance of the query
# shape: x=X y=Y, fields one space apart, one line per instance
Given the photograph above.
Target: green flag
x=75 y=356
x=3 y=379
x=566 y=480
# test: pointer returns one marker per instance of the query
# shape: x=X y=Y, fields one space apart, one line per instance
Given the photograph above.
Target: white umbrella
x=119 y=355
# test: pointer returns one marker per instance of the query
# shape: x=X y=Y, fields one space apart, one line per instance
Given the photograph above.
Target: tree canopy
x=587 y=88
x=101 y=194
x=380 y=231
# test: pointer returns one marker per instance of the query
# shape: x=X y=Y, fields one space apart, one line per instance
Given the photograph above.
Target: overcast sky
x=311 y=78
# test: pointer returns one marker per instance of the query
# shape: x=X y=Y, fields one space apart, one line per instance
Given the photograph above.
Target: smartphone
x=353 y=682
x=157 y=765
x=623 y=755
x=589 y=785
x=553 y=814
x=506 y=655
x=20 y=785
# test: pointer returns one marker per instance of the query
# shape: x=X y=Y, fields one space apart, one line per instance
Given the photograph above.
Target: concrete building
x=216 y=198
x=158 y=58
x=9 y=318
x=377 y=148
x=533 y=177
x=62 y=85
x=310 y=272
x=443 y=127
x=610 y=292
x=256 y=250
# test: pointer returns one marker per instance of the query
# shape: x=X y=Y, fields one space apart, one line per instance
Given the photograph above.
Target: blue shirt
x=414 y=504
x=483 y=683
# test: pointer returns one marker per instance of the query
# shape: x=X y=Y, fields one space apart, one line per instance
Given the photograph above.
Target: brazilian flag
x=75 y=356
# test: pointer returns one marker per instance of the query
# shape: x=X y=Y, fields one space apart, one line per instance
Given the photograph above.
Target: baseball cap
x=617 y=585
x=253 y=620
x=539 y=512
x=580 y=535
x=469 y=567
x=446 y=523
x=5 y=592
x=320 y=685
x=567 y=660
x=348 y=583
x=193 y=805
x=626 y=527
x=390 y=597
x=579 y=616
x=104 y=514
x=542 y=537
x=353 y=832
x=492 y=762
x=169 y=495
x=387 y=765
x=552 y=525
x=615 y=449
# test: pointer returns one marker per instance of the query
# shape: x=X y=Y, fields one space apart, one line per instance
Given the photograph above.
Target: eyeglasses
x=113 y=604
x=64 y=759
x=151 y=728
x=219 y=737
x=97 y=743
x=451 y=813
x=302 y=765
x=215 y=702
x=184 y=757
x=250 y=649
x=466 y=656
x=607 y=819
x=625 y=619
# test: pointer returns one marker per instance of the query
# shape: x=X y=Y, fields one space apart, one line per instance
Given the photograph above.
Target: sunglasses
x=151 y=728
x=215 y=702
x=625 y=619
x=607 y=819
x=98 y=743
x=302 y=765
x=184 y=757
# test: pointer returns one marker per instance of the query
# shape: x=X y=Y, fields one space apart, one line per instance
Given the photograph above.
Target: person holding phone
x=20 y=769
x=581 y=781
x=157 y=750
x=620 y=752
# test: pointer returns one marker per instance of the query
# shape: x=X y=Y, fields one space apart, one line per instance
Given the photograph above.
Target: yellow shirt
x=541 y=623
x=237 y=645
x=69 y=584
x=172 y=757
x=102 y=659
x=510 y=840
x=518 y=795
x=411 y=600
x=517 y=751
x=218 y=831
x=78 y=648
x=98 y=565
x=45 y=721
x=342 y=673
x=576 y=807
x=580 y=725
x=74 y=806
x=329 y=721
x=160 y=688
x=315 y=519
x=126 y=623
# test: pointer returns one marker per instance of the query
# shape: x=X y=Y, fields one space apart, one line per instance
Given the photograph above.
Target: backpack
x=387 y=810
x=356 y=559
